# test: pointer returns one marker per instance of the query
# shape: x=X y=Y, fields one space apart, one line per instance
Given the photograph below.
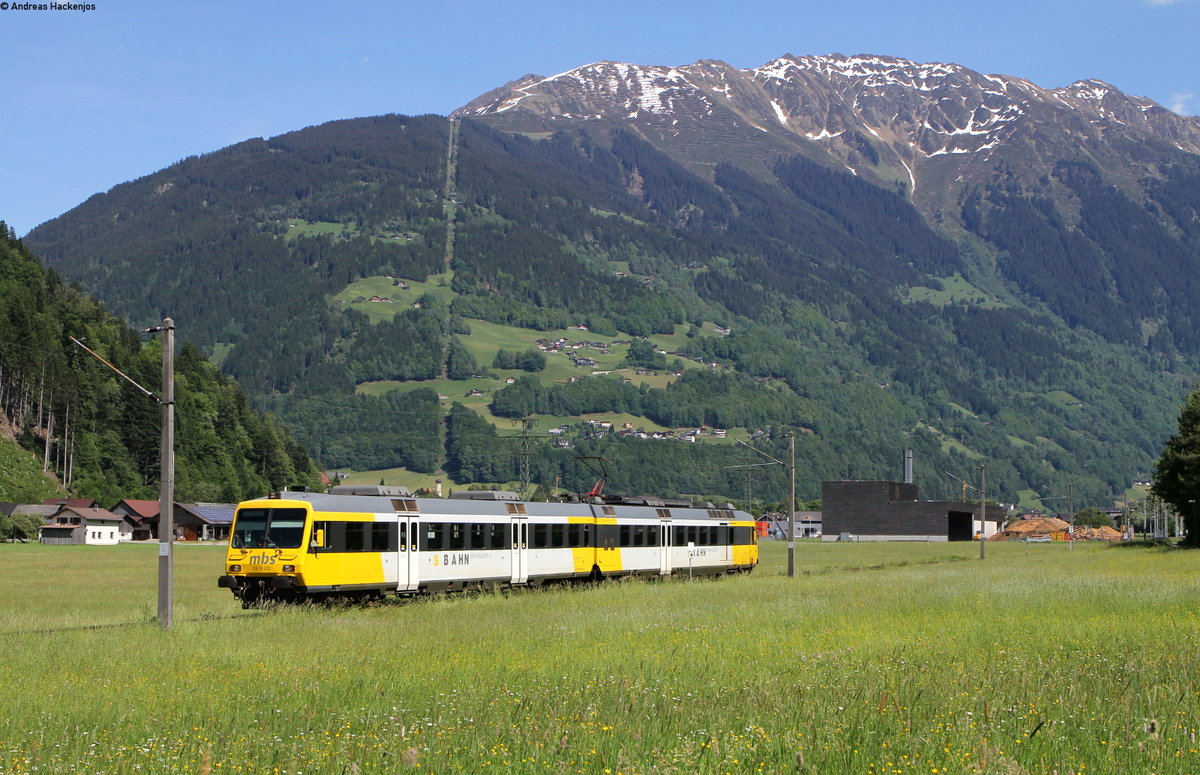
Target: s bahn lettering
x=262 y=559
x=447 y=560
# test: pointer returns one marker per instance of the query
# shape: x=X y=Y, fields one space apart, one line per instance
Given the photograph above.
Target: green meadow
x=876 y=658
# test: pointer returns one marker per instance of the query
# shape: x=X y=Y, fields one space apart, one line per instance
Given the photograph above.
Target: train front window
x=268 y=529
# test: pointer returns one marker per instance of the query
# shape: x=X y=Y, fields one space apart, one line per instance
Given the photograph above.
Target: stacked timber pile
x=1037 y=527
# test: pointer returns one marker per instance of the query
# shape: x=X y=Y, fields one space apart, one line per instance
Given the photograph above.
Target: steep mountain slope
x=83 y=429
x=652 y=201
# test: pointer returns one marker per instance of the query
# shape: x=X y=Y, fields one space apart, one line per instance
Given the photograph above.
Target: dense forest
x=97 y=436
x=1031 y=335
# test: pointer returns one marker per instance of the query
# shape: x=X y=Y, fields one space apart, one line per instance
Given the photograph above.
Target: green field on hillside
x=400 y=297
x=486 y=339
x=298 y=227
x=955 y=290
x=877 y=658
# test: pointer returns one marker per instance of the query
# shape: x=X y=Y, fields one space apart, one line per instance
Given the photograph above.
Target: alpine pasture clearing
x=877 y=658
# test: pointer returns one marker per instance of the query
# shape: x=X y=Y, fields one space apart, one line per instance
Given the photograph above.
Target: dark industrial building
x=892 y=511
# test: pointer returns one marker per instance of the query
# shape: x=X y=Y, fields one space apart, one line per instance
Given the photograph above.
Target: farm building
x=77 y=525
x=203 y=521
x=142 y=515
x=893 y=511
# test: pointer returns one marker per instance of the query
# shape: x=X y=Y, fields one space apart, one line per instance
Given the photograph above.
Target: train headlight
x=235 y=568
x=289 y=568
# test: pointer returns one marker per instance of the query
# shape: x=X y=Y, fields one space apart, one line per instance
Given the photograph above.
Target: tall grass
x=883 y=658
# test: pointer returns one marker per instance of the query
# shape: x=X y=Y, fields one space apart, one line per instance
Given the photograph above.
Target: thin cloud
x=1179 y=102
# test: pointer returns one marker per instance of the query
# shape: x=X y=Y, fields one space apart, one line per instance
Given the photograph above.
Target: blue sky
x=96 y=98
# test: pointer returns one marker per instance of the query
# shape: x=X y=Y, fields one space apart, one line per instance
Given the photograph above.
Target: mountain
x=1004 y=274
x=921 y=125
x=1083 y=181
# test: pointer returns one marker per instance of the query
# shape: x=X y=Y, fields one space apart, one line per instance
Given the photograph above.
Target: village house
x=79 y=525
x=203 y=521
x=142 y=516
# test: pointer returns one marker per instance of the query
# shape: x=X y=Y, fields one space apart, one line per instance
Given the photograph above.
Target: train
x=367 y=542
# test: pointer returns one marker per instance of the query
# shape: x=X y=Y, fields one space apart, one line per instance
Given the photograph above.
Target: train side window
x=539 y=536
x=639 y=535
x=680 y=538
x=457 y=537
x=691 y=535
x=556 y=535
x=478 y=536
x=626 y=536
x=381 y=535
x=354 y=536
x=434 y=536
x=499 y=536
x=402 y=536
x=573 y=535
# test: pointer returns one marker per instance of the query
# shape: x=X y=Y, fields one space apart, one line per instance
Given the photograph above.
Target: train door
x=409 y=531
x=520 y=550
x=664 y=548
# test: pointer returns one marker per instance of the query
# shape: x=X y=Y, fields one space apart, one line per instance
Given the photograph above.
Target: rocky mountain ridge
x=886 y=118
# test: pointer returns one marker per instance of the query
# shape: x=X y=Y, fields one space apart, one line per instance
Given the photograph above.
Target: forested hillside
x=846 y=317
x=69 y=424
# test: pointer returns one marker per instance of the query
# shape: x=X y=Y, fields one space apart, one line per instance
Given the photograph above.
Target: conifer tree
x=1177 y=474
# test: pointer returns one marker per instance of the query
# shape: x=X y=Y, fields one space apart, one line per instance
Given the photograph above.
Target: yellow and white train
x=377 y=541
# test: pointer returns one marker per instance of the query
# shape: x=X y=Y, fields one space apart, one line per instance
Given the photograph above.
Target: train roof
x=502 y=506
